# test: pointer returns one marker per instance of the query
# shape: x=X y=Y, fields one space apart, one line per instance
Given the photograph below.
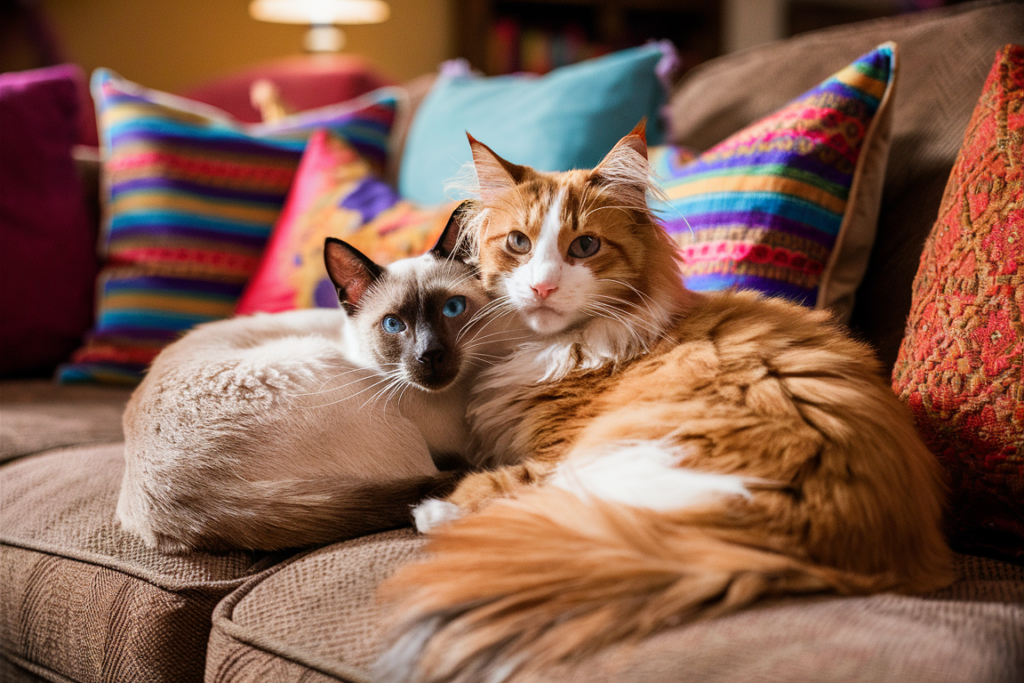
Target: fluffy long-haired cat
x=657 y=455
x=291 y=429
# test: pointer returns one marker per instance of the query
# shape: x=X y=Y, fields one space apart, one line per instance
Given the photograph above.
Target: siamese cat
x=306 y=427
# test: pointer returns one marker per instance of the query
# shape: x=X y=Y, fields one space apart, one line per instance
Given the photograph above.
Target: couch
x=81 y=600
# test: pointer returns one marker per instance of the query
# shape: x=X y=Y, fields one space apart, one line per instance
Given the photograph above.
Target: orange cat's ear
x=494 y=174
x=624 y=169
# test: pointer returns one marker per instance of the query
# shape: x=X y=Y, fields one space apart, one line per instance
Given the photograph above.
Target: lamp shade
x=320 y=12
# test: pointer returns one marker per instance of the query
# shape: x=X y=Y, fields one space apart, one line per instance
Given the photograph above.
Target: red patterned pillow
x=960 y=363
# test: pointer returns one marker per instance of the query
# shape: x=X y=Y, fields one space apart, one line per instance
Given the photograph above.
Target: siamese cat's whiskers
x=485 y=310
x=320 y=390
x=483 y=339
x=348 y=397
x=395 y=382
x=497 y=306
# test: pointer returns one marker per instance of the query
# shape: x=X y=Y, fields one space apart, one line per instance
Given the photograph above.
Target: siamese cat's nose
x=432 y=357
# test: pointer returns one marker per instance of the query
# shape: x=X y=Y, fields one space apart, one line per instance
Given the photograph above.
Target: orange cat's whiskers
x=647 y=300
x=627 y=319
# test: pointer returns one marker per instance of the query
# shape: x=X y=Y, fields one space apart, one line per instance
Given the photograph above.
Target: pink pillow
x=334 y=194
x=48 y=261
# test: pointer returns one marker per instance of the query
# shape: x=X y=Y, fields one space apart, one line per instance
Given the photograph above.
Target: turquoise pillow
x=566 y=119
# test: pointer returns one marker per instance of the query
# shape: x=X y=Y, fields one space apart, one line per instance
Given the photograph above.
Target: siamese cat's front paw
x=432 y=513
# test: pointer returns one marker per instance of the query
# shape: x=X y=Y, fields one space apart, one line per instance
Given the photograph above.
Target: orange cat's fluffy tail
x=526 y=583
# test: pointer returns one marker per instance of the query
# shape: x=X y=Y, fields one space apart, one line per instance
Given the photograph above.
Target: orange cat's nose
x=543 y=289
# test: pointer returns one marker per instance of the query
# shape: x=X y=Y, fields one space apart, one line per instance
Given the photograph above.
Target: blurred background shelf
x=506 y=36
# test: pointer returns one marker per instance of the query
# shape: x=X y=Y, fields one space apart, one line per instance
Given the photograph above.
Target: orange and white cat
x=657 y=454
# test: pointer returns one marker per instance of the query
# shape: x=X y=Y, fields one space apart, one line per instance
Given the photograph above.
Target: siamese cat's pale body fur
x=297 y=428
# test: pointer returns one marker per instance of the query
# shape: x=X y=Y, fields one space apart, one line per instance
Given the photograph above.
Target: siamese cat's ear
x=351 y=272
x=494 y=175
x=452 y=244
x=624 y=171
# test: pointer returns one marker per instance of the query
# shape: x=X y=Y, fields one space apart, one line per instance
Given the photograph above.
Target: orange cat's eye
x=518 y=242
x=584 y=246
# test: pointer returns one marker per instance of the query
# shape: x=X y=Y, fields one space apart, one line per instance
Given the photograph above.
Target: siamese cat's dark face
x=412 y=315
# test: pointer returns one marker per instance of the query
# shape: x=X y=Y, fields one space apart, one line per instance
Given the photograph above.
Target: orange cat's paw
x=432 y=513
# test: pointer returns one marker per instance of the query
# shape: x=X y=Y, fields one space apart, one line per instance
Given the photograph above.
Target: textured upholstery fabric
x=779 y=206
x=961 y=363
x=82 y=599
x=944 y=55
x=317 y=612
x=37 y=415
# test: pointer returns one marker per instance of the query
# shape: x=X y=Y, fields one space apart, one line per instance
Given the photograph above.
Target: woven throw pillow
x=961 y=362
x=788 y=205
x=191 y=197
x=335 y=194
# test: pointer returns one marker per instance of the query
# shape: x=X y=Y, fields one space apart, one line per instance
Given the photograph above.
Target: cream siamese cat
x=298 y=428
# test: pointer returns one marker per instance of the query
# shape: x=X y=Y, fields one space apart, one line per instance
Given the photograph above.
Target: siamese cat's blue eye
x=454 y=307
x=392 y=325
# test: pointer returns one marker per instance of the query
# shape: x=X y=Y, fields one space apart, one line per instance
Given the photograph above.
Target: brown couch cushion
x=37 y=415
x=82 y=599
x=314 y=618
x=945 y=56
x=315 y=613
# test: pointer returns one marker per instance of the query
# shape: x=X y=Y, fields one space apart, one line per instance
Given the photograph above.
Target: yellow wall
x=173 y=44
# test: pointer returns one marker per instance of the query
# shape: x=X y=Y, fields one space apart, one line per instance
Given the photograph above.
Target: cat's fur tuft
x=657 y=455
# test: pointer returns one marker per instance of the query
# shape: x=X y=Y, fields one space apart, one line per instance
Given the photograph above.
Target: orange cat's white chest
x=505 y=393
x=498 y=408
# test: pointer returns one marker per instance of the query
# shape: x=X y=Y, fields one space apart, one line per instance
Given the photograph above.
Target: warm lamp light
x=322 y=16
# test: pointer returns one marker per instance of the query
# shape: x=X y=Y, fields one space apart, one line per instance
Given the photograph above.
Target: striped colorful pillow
x=788 y=206
x=191 y=197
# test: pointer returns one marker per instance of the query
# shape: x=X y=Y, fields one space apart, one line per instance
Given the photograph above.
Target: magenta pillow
x=48 y=261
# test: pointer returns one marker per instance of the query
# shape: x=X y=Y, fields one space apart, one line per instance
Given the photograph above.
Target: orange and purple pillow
x=334 y=194
x=191 y=197
x=770 y=207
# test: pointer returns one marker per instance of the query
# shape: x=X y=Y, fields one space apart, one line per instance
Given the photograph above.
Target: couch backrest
x=945 y=56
